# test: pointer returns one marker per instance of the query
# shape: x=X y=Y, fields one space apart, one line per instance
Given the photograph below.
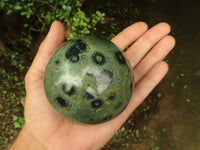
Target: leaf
x=17 y=125
x=9 y=12
x=159 y=95
x=21 y=120
x=17 y=7
x=4 y=92
x=15 y=118
x=68 y=8
x=137 y=133
x=172 y=84
x=188 y=100
x=185 y=86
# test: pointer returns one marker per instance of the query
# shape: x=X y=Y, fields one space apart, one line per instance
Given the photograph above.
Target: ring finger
x=141 y=47
x=158 y=53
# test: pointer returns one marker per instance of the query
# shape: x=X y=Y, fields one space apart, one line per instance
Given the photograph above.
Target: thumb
x=53 y=40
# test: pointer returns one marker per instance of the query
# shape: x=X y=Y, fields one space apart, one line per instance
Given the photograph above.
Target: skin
x=45 y=129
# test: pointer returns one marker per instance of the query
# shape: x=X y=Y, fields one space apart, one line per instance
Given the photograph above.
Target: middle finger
x=141 y=47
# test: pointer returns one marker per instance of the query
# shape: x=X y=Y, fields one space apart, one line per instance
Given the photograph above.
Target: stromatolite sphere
x=88 y=80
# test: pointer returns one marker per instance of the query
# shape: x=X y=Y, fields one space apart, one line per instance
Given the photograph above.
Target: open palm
x=147 y=48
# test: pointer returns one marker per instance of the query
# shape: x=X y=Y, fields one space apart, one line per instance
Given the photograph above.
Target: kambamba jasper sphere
x=88 y=80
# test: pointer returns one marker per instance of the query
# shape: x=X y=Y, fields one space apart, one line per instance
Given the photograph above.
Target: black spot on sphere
x=89 y=74
x=61 y=101
x=75 y=51
x=74 y=59
x=73 y=54
x=89 y=95
x=98 y=58
x=105 y=118
x=120 y=58
x=82 y=46
x=112 y=97
x=91 y=119
x=72 y=51
x=57 y=62
x=68 y=89
x=96 y=103
x=79 y=41
x=108 y=117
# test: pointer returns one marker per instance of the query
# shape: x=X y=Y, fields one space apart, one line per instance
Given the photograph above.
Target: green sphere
x=88 y=80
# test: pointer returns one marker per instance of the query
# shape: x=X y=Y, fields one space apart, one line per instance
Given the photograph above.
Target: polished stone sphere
x=88 y=80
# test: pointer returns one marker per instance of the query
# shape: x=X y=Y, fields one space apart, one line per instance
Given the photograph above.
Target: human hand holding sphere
x=46 y=129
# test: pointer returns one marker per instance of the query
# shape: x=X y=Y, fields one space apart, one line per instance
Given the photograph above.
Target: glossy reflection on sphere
x=88 y=80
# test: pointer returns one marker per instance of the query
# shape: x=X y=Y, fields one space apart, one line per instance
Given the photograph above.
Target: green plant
x=137 y=133
x=81 y=24
x=18 y=121
x=39 y=14
x=13 y=66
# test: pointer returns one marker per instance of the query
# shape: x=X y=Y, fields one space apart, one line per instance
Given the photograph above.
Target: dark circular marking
x=61 y=101
x=96 y=103
x=108 y=117
x=98 y=58
x=73 y=51
x=91 y=119
x=89 y=74
x=120 y=58
x=57 y=62
x=105 y=118
x=82 y=46
x=112 y=97
x=78 y=41
x=89 y=95
x=74 y=59
x=67 y=89
x=72 y=54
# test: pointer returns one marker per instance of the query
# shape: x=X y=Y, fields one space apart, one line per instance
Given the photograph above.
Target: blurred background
x=169 y=118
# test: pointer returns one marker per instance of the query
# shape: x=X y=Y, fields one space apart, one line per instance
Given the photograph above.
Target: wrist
x=26 y=141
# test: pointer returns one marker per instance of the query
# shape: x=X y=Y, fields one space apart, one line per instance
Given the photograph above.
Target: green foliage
x=159 y=95
x=144 y=128
x=81 y=24
x=172 y=84
x=42 y=13
x=185 y=86
x=18 y=121
x=137 y=133
x=188 y=100
x=13 y=66
x=157 y=147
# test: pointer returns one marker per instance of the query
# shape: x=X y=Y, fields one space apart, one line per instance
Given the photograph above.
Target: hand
x=48 y=130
